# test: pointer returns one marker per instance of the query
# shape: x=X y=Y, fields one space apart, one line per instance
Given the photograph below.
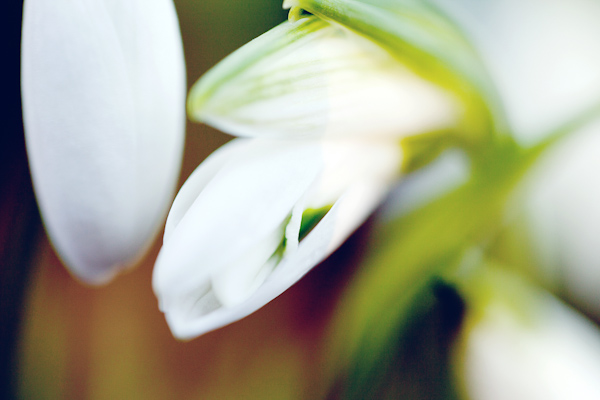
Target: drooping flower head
x=331 y=115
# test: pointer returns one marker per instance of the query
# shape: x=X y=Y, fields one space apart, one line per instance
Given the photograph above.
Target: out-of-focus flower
x=327 y=110
x=562 y=199
x=545 y=58
x=103 y=86
x=518 y=343
x=543 y=55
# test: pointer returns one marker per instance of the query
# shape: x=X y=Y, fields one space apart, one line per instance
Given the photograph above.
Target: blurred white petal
x=548 y=352
x=235 y=282
x=543 y=54
x=563 y=211
x=103 y=86
x=313 y=78
x=226 y=256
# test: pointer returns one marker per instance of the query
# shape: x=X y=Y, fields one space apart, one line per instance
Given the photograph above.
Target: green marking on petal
x=421 y=37
x=310 y=218
x=281 y=39
x=314 y=78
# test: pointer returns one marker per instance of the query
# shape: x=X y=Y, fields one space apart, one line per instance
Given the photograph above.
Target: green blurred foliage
x=407 y=257
x=391 y=317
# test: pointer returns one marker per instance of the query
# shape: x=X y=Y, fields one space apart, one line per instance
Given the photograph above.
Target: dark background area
x=19 y=219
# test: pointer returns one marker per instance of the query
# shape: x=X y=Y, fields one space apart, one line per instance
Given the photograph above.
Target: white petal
x=196 y=182
x=555 y=356
x=543 y=54
x=319 y=243
x=150 y=41
x=563 y=210
x=323 y=80
x=235 y=282
x=292 y=230
x=191 y=310
x=348 y=162
x=103 y=91
x=245 y=201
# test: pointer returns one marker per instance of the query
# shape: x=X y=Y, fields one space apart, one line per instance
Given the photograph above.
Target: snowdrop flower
x=325 y=110
x=103 y=86
x=255 y=217
x=526 y=345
